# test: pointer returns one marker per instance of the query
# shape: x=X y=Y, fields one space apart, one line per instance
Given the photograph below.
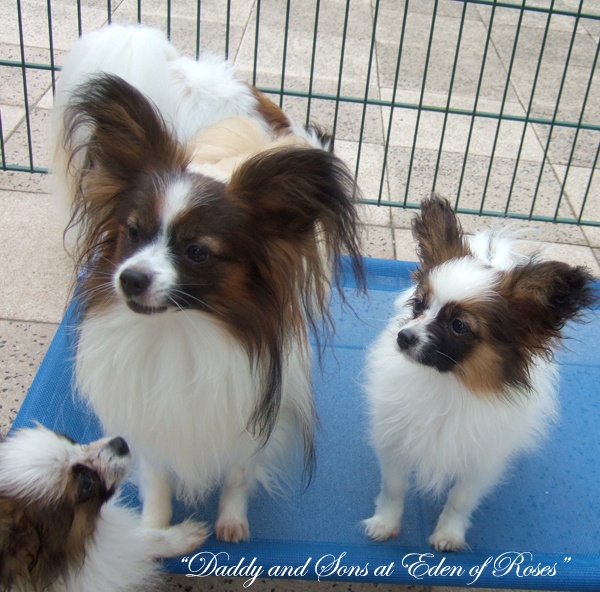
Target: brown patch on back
x=271 y=113
x=40 y=542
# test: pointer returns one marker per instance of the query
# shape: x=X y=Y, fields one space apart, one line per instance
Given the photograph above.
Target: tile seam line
x=29 y=321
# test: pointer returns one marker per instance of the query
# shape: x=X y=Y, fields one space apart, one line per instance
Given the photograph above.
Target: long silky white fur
x=182 y=394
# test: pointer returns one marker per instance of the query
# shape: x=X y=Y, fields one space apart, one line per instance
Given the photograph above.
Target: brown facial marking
x=483 y=372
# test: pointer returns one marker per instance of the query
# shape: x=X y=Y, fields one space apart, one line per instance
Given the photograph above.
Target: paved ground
x=36 y=272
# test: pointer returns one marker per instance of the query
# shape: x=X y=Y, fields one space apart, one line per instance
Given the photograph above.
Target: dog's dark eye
x=459 y=327
x=133 y=233
x=86 y=484
x=418 y=306
x=197 y=253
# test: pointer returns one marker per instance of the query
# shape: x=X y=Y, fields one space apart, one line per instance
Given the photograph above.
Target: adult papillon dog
x=60 y=528
x=209 y=227
x=463 y=377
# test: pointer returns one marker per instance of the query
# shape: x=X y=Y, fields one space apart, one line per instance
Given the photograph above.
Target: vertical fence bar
x=227 y=29
x=79 y=19
x=502 y=106
x=477 y=93
x=556 y=107
x=285 y=46
x=368 y=83
x=256 y=43
x=198 y=14
x=2 y=152
x=341 y=69
x=589 y=185
x=392 y=108
x=421 y=97
x=109 y=11
x=51 y=46
x=169 y=19
x=449 y=99
x=577 y=130
x=529 y=106
x=139 y=11
x=24 y=79
x=312 y=61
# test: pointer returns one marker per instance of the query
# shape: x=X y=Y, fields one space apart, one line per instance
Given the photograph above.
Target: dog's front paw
x=379 y=529
x=180 y=539
x=232 y=531
x=193 y=534
x=446 y=540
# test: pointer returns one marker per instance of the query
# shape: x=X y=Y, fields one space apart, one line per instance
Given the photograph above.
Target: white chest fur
x=440 y=428
x=180 y=389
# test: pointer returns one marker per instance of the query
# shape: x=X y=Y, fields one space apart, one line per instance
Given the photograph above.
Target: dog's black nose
x=119 y=446
x=406 y=339
x=134 y=282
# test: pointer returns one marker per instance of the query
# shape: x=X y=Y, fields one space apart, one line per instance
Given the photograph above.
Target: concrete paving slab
x=22 y=348
x=24 y=182
x=35 y=22
x=16 y=147
x=33 y=257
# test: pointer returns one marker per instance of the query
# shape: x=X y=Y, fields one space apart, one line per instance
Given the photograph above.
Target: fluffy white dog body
x=463 y=377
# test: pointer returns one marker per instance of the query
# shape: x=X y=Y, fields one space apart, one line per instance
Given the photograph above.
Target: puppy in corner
x=60 y=529
x=463 y=377
x=209 y=228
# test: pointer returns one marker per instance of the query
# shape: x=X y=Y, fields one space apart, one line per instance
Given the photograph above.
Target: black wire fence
x=496 y=104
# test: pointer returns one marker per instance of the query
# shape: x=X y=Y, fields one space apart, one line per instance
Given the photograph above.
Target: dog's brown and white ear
x=301 y=200
x=120 y=132
x=296 y=206
x=438 y=233
x=112 y=136
x=542 y=296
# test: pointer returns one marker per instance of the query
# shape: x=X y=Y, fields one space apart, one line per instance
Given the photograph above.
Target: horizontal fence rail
x=495 y=104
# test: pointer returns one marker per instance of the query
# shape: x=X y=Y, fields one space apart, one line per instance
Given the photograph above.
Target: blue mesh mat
x=539 y=530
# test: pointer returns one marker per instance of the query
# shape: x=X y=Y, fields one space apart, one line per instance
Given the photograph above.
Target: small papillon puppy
x=463 y=378
x=60 y=528
x=209 y=228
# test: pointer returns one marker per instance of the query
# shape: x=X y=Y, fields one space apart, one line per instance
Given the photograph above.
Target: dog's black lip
x=147 y=310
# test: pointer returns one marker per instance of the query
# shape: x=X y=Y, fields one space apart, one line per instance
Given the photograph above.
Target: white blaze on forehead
x=461 y=279
x=177 y=199
x=156 y=261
